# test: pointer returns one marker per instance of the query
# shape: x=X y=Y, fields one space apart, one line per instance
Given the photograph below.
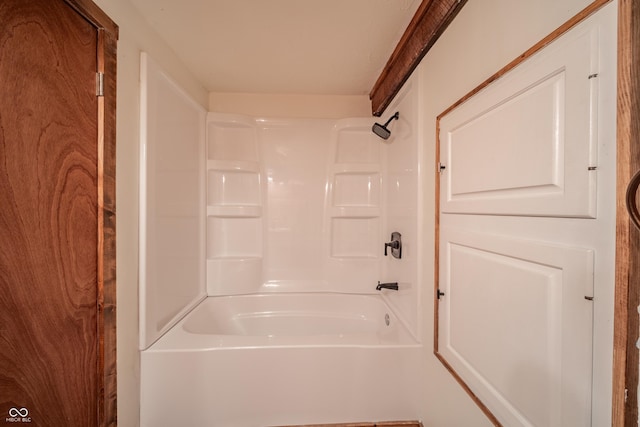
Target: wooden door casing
x=55 y=239
x=627 y=298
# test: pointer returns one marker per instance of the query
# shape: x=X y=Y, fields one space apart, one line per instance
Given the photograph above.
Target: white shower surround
x=294 y=210
x=298 y=205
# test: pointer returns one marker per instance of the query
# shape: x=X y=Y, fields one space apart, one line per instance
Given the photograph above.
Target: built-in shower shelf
x=234 y=211
x=355 y=212
x=233 y=165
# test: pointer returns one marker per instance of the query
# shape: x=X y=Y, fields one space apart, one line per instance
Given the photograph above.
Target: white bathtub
x=281 y=359
x=287 y=320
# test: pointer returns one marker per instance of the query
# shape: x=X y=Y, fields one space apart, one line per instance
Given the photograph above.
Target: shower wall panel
x=298 y=205
x=236 y=205
x=171 y=202
x=293 y=205
x=354 y=206
x=294 y=162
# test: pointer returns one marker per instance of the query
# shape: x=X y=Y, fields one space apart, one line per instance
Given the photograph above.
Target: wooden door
x=55 y=239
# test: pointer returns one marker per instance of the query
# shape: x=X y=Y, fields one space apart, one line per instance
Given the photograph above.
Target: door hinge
x=440 y=293
x=99 y=83
x=441 y=167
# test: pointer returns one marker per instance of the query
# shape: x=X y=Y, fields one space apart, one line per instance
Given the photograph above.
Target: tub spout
x=381 y=286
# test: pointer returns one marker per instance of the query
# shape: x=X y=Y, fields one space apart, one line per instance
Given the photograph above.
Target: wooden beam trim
x=627 y=294
x=486 y=411
x=100 y=254
x=428 y=23
x=111 y=390
x=109 y=331
x=436 y=256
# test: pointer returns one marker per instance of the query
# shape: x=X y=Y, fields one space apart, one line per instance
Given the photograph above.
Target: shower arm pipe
x=395 y=116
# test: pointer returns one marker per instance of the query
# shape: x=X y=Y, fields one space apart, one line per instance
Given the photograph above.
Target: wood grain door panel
x=48 y=214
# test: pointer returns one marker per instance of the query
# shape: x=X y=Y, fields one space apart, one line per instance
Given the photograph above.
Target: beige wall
x=483 y=38
x=135 y=36
x=291 y=106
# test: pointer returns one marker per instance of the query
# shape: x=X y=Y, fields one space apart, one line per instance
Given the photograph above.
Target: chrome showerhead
x=381 y=130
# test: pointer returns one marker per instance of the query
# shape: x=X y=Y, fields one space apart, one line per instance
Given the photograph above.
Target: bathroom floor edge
x=381 y=424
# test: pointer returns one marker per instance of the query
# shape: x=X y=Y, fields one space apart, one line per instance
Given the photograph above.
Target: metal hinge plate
x=99 y=84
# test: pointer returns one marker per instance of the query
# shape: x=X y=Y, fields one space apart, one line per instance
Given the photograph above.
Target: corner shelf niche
x=234 y=205
x=356 y=191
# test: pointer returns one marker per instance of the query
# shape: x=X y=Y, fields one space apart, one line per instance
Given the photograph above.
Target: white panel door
x=525 y=144
x=527 y=234
x=517 y=325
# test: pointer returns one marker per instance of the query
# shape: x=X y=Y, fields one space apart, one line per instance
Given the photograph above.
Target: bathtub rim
x=171 y=340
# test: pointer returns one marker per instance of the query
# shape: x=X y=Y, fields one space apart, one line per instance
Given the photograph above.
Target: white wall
x=135 y=36
x=291 y=106
x=483 y=38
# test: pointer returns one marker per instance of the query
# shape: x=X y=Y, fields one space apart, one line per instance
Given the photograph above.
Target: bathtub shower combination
x=266 y=295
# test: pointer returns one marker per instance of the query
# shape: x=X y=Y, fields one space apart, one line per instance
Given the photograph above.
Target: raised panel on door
x=526 y=144
x=516 y=325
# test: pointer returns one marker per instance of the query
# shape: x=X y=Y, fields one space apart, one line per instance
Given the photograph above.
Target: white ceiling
x=335 y=47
